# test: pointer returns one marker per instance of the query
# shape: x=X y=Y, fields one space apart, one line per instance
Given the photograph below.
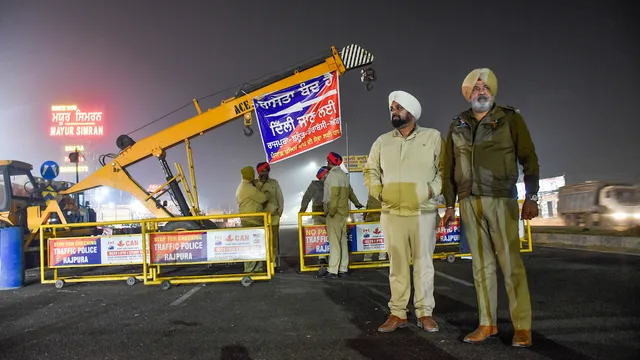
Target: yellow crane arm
x=114 y=173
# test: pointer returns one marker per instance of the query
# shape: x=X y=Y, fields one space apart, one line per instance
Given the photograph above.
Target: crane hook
x=248 y=131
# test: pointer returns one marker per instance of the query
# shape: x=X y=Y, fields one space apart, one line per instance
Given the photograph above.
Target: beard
x=399 y=122
x=481 y=104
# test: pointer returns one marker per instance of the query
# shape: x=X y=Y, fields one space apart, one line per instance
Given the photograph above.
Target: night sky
x=571 y=69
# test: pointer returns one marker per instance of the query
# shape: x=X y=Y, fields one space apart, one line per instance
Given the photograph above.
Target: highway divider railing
x=177 y=248
x=368 y=238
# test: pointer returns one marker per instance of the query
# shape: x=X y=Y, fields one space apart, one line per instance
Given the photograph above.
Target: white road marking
x=186 y=296
x=455 y=279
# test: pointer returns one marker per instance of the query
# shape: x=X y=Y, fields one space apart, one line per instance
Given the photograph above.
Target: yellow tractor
x=28 y=202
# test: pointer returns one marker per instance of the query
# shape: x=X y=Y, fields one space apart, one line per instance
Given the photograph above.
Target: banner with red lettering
x=299 y=118
x=316 y=240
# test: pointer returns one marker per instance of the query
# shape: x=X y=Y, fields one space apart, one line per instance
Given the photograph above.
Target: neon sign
x=72 y=148
x=80 y=124
x=67 y=160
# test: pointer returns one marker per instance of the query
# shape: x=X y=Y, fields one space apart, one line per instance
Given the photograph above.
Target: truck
x=599 y=204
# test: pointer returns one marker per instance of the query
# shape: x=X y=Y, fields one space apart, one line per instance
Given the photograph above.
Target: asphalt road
x=586 y=306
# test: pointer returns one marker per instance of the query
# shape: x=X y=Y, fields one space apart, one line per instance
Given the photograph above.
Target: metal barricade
x=313 y=241
x=175 y=249
x=101 y=251
x=219 y=246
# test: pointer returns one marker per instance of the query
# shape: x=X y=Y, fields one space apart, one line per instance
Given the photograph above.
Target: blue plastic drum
x=11 y=258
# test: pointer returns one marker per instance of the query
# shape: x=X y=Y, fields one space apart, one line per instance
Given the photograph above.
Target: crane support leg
x=175 y=188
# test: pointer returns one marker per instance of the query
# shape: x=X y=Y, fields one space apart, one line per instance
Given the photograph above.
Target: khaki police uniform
x=251 y=200
x=275 y=206
x=404 y=174
x=336 y=206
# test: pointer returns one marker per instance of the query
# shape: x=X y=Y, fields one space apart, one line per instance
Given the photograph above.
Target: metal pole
x=346 y=135
x=78 y=175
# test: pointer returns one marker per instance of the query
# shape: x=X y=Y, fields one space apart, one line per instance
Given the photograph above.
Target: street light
x=312 y=164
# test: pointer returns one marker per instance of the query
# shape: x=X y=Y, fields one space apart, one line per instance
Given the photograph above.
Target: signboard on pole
x=299 y=118
x=355 y=163
x=49 y=170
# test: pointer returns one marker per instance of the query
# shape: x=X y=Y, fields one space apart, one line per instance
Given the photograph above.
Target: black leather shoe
x=328 y=276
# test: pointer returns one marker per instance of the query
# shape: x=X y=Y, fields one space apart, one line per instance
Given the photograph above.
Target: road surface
x=586 y=306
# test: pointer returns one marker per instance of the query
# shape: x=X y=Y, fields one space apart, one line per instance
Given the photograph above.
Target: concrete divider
x=602 y=242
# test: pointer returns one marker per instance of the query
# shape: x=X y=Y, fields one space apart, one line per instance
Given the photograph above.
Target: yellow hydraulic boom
x=115 y=175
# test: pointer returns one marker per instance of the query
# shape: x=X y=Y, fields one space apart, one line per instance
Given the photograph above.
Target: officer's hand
x=449 y=215
x=529 y=210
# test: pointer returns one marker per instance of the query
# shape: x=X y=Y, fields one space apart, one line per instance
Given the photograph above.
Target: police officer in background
x=251 y=200
x=337 y=194
x=314 y=194
x=275 y=205
x=481 y=155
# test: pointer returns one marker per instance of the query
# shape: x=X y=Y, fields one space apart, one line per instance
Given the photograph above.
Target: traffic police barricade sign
x=162 y=249
x=363 y=238
x=453 y=244
x=181 y=249
x=368 y=238
x=85 y=252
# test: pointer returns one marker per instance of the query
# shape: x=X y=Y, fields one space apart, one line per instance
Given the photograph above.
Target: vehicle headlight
x=619 y=216
x=636 y=215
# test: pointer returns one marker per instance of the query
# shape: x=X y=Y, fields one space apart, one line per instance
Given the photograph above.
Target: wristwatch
x=532 y=197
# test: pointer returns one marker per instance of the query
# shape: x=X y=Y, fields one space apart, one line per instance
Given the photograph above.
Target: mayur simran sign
x=70 y=121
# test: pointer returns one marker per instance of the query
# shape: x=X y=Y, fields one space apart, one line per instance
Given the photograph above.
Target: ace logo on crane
x=243 y=107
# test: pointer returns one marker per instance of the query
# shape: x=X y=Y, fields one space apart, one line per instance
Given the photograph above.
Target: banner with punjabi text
x=299 y=118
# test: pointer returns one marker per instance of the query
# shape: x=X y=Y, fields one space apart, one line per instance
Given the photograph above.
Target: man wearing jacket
x=403 y=172
x=275 y=205
x=250 y=200
x=315 y=195
x=336 y=206
x=481 y=155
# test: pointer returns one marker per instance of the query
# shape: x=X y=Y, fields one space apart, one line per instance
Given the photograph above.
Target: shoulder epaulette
x=509 y=107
